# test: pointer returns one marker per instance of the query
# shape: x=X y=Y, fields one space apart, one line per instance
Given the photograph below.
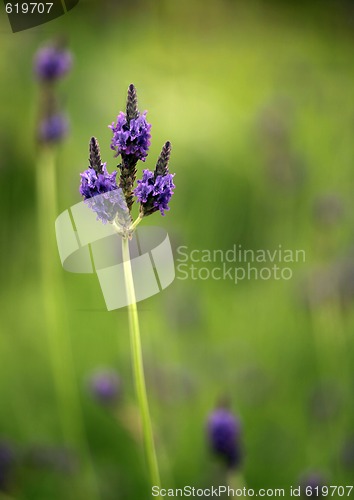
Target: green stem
x=138 y=368
x=54 y=320
x=46 y=195
x=235 y=480
x=130 y=230
x=136 y=222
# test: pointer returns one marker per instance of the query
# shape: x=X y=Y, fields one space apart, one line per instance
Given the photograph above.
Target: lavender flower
x=95 y=155
x=52 y=63
x=105 y=386
x=101 y=193
x=154 y=193
x=131 y=132
x=155 y=189
x=131 y=140
x=99 y=188
x=162 y=162
x=94 y=183
x=311 y=485
x=224 y=436
x=53 y=128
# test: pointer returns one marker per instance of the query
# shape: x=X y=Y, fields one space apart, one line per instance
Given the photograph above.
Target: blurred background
x=257 y=99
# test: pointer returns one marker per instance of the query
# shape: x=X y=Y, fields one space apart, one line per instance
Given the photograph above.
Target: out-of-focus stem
x=236 y=481
x=54 y=314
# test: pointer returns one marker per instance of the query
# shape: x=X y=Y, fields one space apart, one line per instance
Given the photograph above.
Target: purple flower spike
x=105 y=386
x=52 y=63
x=311 y=485
x=155 y=189
x=94 y=183
x=131 y=138
x=53 y=128
x=102 y=194
x=224 y=436
x=100 y=190
x=154 y=193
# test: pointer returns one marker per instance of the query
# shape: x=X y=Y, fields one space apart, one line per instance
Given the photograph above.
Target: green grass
x=214 y=79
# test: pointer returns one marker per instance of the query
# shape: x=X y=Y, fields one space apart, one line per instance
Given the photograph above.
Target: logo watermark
x=217 y=491
x=237 y=263
x=86 y=245
x=243 y=491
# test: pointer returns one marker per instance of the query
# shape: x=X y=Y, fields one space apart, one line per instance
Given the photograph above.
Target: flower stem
x=138 y=368
x=136 y=222
x=235 y=480
x=54 y=319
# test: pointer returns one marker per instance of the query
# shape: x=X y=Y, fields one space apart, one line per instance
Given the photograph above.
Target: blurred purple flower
x=223 y=430
x=95 y=183
x=7 y=457
x=53 y=128
x=105 y=386
x=131 y=137
x=313 y=482
x=154 y=192
x=52 y=63
x=55 y=458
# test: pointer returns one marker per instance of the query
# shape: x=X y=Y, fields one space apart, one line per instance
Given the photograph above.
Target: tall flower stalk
x=138 y=368
x=51 y=64
x=112 y=197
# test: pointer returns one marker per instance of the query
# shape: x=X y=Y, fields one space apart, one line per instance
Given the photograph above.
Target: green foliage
x=258 y=104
